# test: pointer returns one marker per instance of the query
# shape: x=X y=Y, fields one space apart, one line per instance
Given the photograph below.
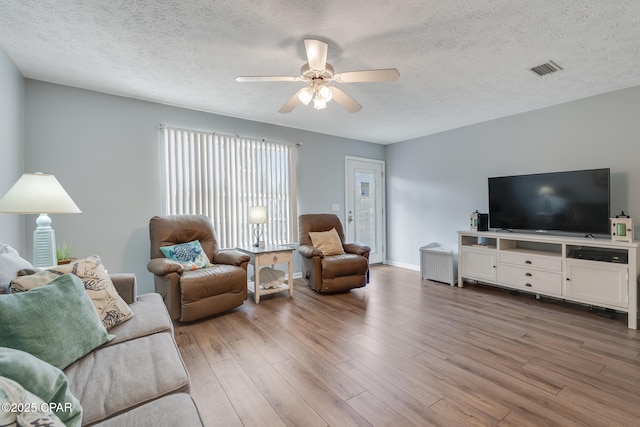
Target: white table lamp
x=38 y=193
x=257 y=215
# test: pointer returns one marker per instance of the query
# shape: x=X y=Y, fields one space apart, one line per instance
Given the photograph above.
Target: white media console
x=597 y=272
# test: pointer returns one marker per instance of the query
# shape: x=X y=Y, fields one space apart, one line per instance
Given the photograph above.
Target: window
x=222 y=176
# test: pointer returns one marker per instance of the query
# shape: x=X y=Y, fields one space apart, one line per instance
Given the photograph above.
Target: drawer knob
x=528 y=285
x=275 y=259
x=528 y=262
x=528 y=274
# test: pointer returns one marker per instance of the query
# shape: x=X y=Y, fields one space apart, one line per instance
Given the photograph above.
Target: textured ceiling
x=460 y=62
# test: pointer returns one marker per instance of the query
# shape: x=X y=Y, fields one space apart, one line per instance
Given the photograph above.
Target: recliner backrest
x=173 y=229
x=318 y=222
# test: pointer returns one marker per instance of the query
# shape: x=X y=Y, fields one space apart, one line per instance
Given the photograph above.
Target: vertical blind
x=222 y=176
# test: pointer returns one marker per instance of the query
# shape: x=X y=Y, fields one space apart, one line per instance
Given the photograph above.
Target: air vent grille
x=546 y=68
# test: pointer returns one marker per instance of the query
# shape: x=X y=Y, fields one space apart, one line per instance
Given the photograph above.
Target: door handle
x=350 y=217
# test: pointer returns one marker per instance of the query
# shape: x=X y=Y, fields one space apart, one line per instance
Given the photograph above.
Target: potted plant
x=63 y=253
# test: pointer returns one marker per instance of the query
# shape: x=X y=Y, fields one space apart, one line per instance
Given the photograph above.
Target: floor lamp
x=38 y=193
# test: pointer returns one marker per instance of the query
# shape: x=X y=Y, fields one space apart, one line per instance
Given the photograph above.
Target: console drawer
x=533 y=261
x=530 y=279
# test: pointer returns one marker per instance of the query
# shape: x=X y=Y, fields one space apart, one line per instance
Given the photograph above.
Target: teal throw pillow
x=190 y=255
x=55 y=323
x=44 y=380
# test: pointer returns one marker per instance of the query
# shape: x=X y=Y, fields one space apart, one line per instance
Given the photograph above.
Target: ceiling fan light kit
x=317 y=73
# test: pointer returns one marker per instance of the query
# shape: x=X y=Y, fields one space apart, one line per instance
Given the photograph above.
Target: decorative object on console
x=38 y=193
x=622 y=228
x=257 y=216
x=479 y=221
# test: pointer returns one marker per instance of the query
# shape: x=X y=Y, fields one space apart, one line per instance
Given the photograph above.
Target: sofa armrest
x=164 y=266
x=356 y=248
x=126 y=285
x=309 y=251
x=230 y=257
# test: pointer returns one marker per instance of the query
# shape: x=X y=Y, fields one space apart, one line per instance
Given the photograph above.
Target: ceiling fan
x=317 y=73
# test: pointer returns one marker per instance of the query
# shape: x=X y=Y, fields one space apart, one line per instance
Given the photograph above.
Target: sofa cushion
x=327 y=241
x=34 y=413
x=151 y=317
x=173 y=410
x=117 y=378
x=56 y=323
x=10 y=264
x=42 y=379
x=190 y=255
x=110 y=306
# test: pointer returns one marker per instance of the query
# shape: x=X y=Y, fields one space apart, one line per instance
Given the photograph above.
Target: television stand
x=600 y=273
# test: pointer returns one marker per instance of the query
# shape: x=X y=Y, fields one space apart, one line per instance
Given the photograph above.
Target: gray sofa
x=139 y=378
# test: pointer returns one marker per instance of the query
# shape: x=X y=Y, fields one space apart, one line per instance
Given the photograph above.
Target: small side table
x=269 y=255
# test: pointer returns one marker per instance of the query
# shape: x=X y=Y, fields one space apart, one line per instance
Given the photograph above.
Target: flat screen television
x=571 y=201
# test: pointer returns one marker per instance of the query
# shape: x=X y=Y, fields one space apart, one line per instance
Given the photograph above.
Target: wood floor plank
x=252 y=406
x=407 y=351
x=415 y=411
x=376 y=412
x=212 y=402
x=328 y=374
x=290 y=406
x=334 y=410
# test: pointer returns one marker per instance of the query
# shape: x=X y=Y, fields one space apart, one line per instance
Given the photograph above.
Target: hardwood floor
x=404 y=351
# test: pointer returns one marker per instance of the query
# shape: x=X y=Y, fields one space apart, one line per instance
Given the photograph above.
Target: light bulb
x=319 y=104
x=325 y=93
x=305 y=95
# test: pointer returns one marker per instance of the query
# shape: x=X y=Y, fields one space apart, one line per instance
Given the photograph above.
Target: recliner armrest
x=126 y=285
x=356 y=248
x=308 y=251
x=230 y=257
x=164 y=266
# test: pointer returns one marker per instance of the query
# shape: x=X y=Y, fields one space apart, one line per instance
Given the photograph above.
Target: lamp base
x=258 y=233
x=44 y=243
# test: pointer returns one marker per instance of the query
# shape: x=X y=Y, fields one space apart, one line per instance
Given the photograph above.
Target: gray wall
x=435 y=182
x=11 y=148
x=106 y=151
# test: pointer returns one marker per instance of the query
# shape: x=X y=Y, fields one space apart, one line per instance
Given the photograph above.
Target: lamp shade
x=257 y=215
x=36 y=193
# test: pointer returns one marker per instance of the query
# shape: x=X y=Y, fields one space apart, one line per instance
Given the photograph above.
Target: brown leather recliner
x=331 y=273
x=191 y=295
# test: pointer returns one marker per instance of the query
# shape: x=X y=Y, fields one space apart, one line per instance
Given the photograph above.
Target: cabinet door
x=479 y=264
x=598 y=282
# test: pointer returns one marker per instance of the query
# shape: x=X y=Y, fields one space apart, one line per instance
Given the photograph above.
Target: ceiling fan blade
x=291 y=103
x=383 y=75
x=245 y=79
x=316 y=53
x=344 y=100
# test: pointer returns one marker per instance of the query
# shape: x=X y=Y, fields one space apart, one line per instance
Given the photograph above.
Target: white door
x=365 y=195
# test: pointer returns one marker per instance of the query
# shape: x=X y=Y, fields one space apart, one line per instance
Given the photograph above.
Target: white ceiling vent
x=546 y=68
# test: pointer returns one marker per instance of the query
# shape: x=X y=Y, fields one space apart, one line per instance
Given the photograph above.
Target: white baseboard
x=403 y=265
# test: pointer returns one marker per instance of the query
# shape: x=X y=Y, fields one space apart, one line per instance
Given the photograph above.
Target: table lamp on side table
x=257 y=216
x=38 y=193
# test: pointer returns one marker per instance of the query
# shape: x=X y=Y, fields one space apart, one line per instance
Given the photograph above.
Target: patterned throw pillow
x=44 y=380
x=190 y=255
x=35 y=413
x=111 y=308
